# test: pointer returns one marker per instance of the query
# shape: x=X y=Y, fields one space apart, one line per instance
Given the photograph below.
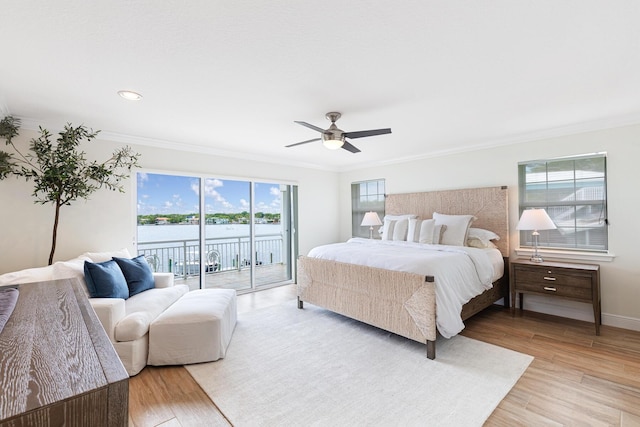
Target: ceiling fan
x=334 y=138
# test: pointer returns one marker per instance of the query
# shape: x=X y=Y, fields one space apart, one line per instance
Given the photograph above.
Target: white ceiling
x=230 y=77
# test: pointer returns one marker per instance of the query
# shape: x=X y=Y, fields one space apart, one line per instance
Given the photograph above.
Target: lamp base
x=536 y=258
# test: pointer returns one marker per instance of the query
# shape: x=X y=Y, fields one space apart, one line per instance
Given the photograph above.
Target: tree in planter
x=60 y=171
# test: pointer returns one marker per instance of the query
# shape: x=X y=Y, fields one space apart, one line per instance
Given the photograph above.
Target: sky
x=172 y=194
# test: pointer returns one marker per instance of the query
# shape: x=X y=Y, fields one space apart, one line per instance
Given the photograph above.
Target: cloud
x=142 y=178
x=214 y=182
x=210 y=186
x=195 y=187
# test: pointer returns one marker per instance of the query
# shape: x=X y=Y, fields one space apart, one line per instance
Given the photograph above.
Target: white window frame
x=577 y=250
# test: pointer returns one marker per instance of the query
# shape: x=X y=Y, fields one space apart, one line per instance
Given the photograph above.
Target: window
x=366 y=196
x=573 y=192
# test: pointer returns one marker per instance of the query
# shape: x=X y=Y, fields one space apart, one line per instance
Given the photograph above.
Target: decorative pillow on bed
x=484 y=236
x=390 y=222
x=457 y=228
x=395 y=229
x=438 y=230
x=477 y=243
x=424 y=231
x=413 y=230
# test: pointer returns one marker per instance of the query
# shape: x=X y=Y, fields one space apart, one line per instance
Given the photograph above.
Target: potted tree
x=60 y=171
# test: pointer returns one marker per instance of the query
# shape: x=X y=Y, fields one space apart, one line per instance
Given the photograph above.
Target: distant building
x=162 y=221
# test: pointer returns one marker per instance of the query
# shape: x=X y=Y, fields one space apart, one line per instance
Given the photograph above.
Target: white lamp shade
x=535 y=219
x=332 y=142
x=370 y=219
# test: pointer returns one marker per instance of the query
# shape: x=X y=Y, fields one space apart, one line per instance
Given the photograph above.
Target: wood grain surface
x=57 y=365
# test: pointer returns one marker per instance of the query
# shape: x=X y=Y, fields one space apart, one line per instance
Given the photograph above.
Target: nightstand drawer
x=557 y=289
x=552 y=278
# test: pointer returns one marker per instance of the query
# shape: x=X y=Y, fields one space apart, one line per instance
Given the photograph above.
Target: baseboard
x=623 y=322
x=578 y=311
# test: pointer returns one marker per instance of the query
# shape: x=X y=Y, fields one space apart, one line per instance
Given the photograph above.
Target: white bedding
x=460 y=273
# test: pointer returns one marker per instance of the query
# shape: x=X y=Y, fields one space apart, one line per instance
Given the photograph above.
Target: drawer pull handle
x=549 y=278
x=549 y=288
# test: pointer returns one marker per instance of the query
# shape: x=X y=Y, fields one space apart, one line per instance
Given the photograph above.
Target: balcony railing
x=182 y=257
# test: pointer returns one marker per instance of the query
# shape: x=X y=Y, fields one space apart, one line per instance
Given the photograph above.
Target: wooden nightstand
x=576 y=282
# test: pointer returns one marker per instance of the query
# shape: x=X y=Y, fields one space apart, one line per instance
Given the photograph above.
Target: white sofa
x=126 y=322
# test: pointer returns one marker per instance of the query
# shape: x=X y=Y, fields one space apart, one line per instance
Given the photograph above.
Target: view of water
x=154 y=233
x=231 y=243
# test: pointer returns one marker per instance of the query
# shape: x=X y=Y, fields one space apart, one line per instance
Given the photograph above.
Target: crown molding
x=32 y=124
x=560 y=131
x=193 y=148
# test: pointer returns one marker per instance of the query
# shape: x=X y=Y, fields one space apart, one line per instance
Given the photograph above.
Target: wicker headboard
x=488 y=204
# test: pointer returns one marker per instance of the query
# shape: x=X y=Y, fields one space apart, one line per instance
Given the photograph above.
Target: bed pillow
x=400 y=230
x=137 y=273
x=477 y=243
x=413 y=230
x=395 y=230
x=398 y=217
x=457 y=228
x=485 y=236
x=387 y=226
x=438 y=230
x=105 y=280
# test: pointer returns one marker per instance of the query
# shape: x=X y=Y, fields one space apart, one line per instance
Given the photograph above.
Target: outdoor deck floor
x=240 y=280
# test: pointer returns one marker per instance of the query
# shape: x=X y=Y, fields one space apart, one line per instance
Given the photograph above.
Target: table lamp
x=535 y=219
x=371 y=219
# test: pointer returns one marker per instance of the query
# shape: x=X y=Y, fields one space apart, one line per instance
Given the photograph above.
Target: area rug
x=312 y=367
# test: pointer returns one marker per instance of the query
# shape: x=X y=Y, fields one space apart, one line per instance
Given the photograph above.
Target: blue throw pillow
x=137 y=273
x=105 y=280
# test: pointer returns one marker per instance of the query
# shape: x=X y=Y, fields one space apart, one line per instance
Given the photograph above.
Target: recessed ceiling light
x=130 y=95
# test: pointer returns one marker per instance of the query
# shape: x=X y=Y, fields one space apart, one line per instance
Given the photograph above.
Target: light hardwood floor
x=577 y=378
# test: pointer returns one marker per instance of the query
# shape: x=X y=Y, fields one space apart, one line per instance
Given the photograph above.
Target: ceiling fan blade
x=303 y=142
x=316 y=128
x=350 y=147
x=363 y=133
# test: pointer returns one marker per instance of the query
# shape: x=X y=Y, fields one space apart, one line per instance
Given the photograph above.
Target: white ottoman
x=196 y=328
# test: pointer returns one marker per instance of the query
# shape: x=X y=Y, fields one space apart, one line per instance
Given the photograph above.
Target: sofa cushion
x=133 y=326
x=107 y=256
x=143 y=308
x=137 y=273
x=105 y=280
x=37 y=274
x=73 y=268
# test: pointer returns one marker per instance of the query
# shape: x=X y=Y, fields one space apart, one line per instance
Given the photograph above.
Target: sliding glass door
x=272 y=231
x=217 y=233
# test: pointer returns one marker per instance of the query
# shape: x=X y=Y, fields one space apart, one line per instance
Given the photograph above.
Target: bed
x=404 y=300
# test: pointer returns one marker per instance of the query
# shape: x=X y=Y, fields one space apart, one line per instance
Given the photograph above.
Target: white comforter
x=460 y=273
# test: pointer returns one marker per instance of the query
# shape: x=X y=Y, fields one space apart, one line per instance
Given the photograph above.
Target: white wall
x=106 y=221
x=620 y=287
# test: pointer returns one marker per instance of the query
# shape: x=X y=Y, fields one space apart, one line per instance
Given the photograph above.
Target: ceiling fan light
x=332 y=143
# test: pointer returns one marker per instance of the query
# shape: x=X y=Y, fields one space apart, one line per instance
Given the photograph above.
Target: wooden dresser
x=57 y=365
